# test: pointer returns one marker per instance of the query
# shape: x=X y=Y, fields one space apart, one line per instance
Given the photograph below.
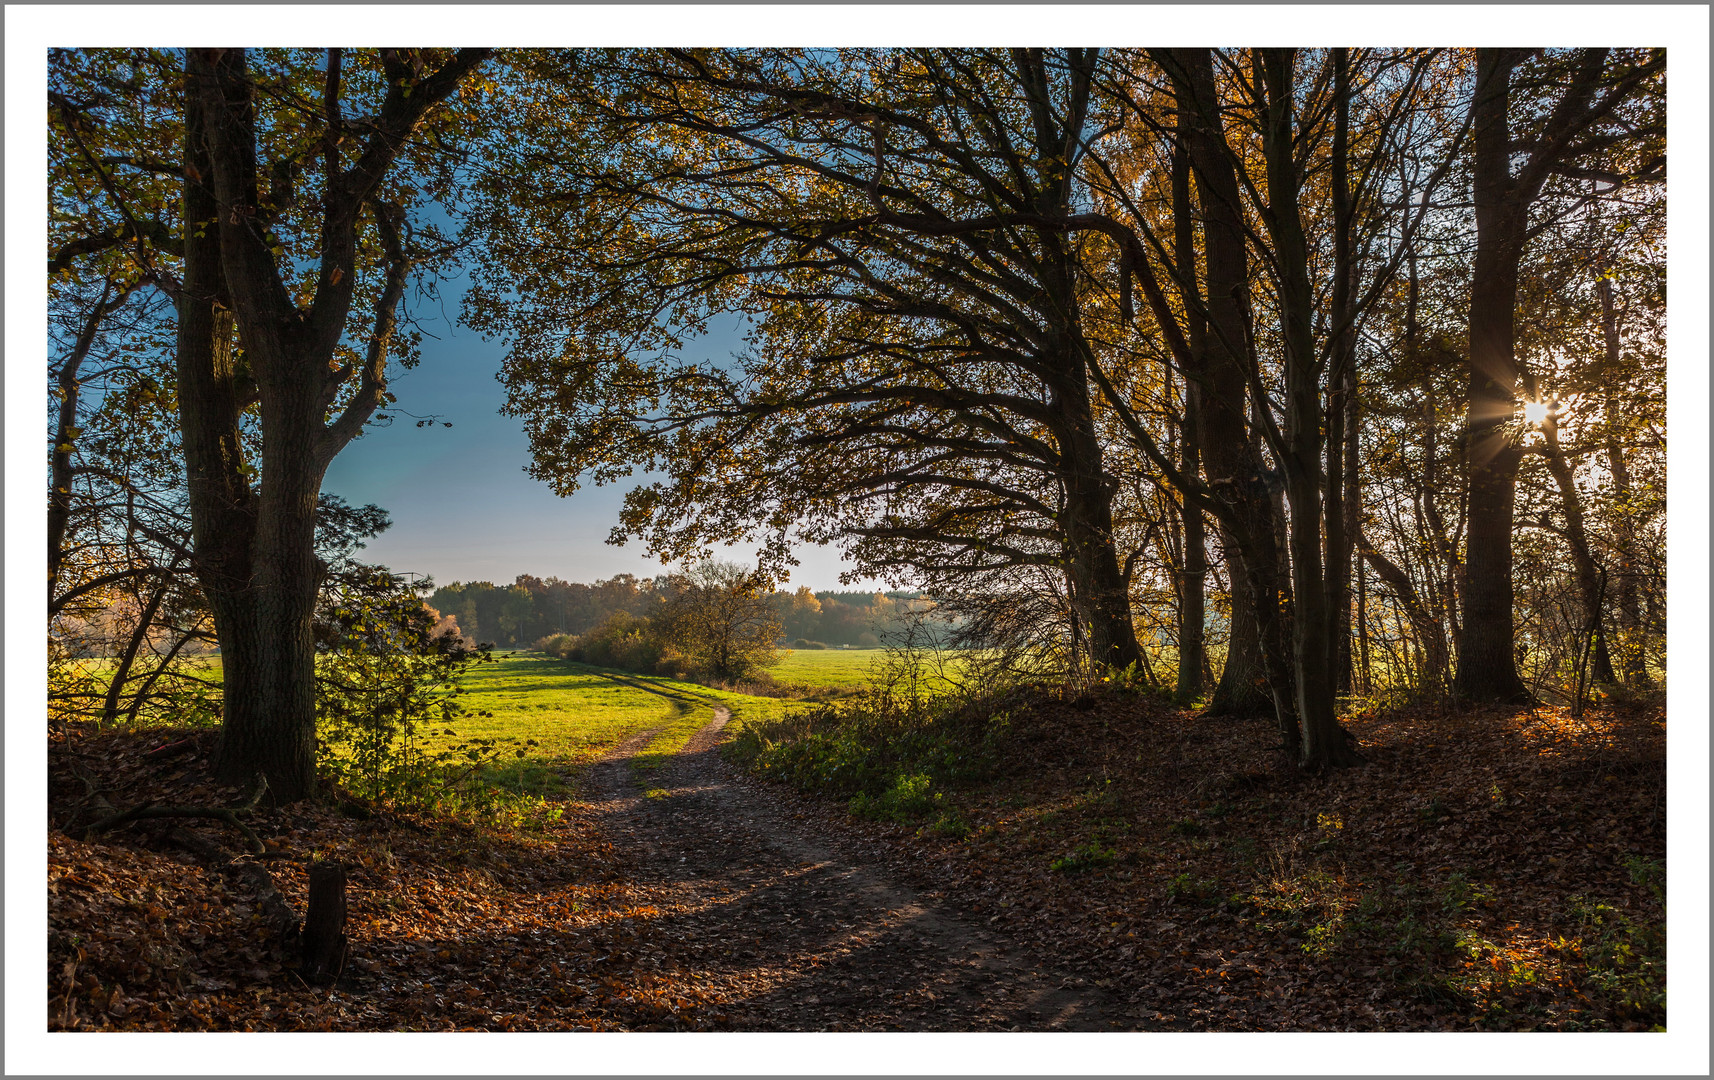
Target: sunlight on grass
x=576 y=713
x=836 y=669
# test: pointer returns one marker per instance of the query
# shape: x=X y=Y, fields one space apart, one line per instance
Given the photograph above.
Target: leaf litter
x=1134 y=867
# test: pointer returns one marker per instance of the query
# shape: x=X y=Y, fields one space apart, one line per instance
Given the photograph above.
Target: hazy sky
x=463 y=507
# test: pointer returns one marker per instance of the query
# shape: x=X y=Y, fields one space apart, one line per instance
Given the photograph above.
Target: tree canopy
x=1324 y=367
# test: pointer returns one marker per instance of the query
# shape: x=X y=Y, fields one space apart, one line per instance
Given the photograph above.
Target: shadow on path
x=784 y=927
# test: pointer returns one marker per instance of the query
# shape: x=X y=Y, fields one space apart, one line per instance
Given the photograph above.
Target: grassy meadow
x=576 y=712
x=832 y=669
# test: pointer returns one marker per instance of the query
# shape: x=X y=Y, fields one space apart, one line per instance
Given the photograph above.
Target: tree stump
x=324 y=924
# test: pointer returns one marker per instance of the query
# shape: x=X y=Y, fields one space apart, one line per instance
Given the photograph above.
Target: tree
x=274 y=255
x=1595 y=85
x=1268 y=388
x=889 y=221
x=721 y=617
x=799 y=613
x=255 y=542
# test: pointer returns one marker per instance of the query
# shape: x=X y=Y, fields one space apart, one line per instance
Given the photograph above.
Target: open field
x=843 y=671
x=837 y=669
x=834 y=669
x=576 y=712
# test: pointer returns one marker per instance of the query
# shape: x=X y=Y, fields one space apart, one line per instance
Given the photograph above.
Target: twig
x=228 y=814
x=170 y=748
x=92 y=795
x=149 y=812
x=254 y=799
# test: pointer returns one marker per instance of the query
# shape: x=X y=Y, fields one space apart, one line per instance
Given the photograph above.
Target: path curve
x=782 y=924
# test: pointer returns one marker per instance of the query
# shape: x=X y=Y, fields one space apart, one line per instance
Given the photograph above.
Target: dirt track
x=787 y=931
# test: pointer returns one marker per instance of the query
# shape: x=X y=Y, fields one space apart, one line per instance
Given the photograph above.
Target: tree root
x=228 y=814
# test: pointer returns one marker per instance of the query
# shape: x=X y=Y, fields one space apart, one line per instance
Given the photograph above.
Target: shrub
x=1625 y=959
x=386 y=682
x=624 y=641
x=805 y=643
x=558 y=645
x=950 y=824
x=910 y=798
x=869 y=744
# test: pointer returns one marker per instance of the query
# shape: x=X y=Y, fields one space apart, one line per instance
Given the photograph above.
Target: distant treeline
x=532 y=608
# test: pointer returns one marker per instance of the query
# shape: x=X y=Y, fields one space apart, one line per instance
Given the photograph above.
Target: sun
x=1535 y=412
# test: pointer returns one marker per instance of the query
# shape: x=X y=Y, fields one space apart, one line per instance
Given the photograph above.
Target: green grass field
x=576 y=712
x=834 y=669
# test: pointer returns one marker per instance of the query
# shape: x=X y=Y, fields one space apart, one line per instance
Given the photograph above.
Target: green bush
x=386 y=684
x=872 y=744
x=909 y=799
x=623 y=641
x=558 y=645
x=950 y=824
x=805 y=643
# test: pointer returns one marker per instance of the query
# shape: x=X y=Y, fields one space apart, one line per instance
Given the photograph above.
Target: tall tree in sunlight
x=1573 y=107
x=255 y=543
x=297 y=173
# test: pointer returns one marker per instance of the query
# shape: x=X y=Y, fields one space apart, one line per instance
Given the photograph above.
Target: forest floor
x=1131 y=868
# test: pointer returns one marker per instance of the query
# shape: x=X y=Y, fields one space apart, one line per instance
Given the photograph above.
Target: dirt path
x=785 y=931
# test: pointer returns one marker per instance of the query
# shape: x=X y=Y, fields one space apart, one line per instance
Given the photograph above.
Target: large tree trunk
x=1193 y=571
x=1101 y=592
x=224 y=507
x=1261 y=563
x=255 y=549
x=1487 y=667
x=1338 y=506
x=1242 y=689
x=1102 y=598
x=1229 y=459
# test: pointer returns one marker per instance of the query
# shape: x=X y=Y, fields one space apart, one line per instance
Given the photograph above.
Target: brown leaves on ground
x=1485 y=869
x=452 y=926
x=1489 y=868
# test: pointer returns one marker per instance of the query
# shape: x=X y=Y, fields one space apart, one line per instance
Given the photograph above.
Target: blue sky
x=463 y=507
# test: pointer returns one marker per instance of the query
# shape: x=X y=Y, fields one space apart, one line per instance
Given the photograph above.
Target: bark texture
x=254 y=541
x=1230 y=458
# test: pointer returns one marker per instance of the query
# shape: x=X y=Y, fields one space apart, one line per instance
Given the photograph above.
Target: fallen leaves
x=1349 y=895
x=1498 y=879
x=145 y=939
